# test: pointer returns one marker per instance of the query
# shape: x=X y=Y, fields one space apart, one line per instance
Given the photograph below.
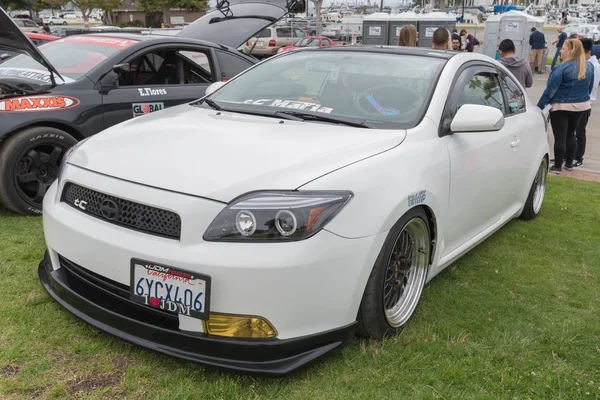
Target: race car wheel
x=397 y=279
x=29 y=164
x=533 y=205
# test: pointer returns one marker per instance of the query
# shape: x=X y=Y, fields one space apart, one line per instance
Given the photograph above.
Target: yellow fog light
x=239 y=326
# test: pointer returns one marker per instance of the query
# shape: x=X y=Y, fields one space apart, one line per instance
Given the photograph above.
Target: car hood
x=11 y=37
x=239 y=20
x=221 y=155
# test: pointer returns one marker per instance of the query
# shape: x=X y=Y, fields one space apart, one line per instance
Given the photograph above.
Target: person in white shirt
x=580 y=132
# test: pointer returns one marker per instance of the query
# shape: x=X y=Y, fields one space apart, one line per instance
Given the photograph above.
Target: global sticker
x=146 y=108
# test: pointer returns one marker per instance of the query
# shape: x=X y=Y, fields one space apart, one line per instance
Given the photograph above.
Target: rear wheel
x=533 y=205
x=50 y=23
x=397 y=279
x=29 y=164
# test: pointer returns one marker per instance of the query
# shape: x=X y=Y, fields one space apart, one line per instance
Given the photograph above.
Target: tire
x=65 y=23
x=29 y=164
x=50 y=23
x=533 y=205
x=384 y=311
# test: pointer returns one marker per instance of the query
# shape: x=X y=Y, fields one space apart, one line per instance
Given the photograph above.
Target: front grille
x=77 y=274
x=128 y=214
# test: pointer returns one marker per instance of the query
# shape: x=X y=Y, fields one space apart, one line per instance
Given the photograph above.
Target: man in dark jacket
x=537 y=41
x=470 y=40
x=562 y=36
x=517 y=65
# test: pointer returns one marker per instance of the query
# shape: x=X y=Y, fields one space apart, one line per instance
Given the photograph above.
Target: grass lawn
x=517 y=318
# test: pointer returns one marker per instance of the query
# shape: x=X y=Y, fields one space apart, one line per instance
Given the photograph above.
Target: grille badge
x=110 y=210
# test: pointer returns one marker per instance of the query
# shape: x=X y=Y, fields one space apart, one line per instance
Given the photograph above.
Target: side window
x=170 y=67
x=514 y=95
x=231 y=65
x=482 y=89
x=284 y=32
x=298 y=33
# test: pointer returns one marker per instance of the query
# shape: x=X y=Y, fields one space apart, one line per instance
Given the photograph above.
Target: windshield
x=388 y=91
x=307 y=42
x=72 y=57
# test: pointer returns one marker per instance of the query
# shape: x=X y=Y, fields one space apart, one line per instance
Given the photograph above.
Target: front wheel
x=50 y=23
x=29 y=164
x=65 y=23
x=533 y=205
x=397 y=279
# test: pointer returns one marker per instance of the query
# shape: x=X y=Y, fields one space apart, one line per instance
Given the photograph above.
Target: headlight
x=66 y=157
x=276 y=216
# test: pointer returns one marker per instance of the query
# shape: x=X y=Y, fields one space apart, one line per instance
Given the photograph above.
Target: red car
x=40 y=38
x=310 y=41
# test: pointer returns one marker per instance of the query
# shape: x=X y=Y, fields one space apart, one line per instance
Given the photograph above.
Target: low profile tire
x=29 y=164
x=397 y=279
x=533 y=205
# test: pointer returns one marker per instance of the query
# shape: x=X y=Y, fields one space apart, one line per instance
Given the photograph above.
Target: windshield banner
x=35 y=74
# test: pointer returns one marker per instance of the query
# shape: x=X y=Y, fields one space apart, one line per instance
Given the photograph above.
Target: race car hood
x=236 y=21
x=200 y=152
x=11 y=37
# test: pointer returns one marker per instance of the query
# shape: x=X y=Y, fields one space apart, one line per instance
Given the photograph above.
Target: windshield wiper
x=212 y=104
x=304 y=116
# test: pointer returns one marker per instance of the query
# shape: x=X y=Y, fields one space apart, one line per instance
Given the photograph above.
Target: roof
x=155 y=38
x=412 y=51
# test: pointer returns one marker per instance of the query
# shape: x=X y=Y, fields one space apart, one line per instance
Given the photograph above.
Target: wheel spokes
x=27 y=178
x=55 y=155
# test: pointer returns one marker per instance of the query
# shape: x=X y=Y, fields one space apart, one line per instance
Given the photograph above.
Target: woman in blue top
x=568 y=92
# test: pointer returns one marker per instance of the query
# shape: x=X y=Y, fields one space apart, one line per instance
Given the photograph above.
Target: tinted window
x=284 y=32
x=19 y=23
x=516 y=98
x=265 y=33
x=168 y=67
x=231 y=65
x=363 y=87
x=482 y=89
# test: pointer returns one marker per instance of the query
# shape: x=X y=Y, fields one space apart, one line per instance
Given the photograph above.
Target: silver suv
x=271 y=39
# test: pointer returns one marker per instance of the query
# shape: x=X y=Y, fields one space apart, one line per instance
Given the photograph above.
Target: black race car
x=53 y=96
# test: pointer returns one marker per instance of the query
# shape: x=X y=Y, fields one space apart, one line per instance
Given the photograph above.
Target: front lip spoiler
x=271 y=357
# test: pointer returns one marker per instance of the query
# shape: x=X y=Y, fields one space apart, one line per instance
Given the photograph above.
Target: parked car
x=310 y=41
x=333 y=31
x=54 y=20
x=270 y=40
x=584 y=31
x=27 y=25
x=74 y=87
x=35 y=19
x=301 y=202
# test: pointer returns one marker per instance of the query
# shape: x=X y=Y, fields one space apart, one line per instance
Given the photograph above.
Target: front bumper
x=146 y=328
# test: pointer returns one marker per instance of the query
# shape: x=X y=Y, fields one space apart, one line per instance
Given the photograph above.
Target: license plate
x=170 y=289
x=260 y=43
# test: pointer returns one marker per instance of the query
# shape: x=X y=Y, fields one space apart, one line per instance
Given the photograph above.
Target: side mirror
x=476 y=118
x=4 y=56
x=213 y=87
x=122 y=68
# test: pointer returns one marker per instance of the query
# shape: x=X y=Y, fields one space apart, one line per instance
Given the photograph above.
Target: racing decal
x=34 y=74
x=298 y=105
x=383 y=111
x=38 y=103
x=417 y=198
x=117 y=43
x=152 y=92
x=146 y=108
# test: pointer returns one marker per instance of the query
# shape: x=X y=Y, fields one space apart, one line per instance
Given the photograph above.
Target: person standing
x=562 y=36
x=408 y=36
x=568 y=92
x=516 y=65
x=469 y=39
x=580 y=131
x=537 y=41
x=441 y=39
x=456 y=36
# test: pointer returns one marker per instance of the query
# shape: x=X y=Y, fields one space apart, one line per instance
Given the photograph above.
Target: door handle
x=515 y=143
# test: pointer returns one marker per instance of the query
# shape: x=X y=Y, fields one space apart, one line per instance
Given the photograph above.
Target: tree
x=318 y=4
x=107 y=6
x=157 y=9
x=86 y=7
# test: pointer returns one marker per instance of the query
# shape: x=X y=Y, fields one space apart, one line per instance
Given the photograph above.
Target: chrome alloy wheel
x=406 y=272
x=540 y=186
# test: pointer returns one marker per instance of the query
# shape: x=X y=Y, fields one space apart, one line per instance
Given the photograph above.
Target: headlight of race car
x=276 y=216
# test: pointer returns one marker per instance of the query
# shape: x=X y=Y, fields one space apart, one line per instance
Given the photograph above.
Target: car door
x=483 y=165
x=522 y=128
x=158 y=78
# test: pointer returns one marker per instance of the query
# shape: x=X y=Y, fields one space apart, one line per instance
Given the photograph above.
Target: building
x=128 y=13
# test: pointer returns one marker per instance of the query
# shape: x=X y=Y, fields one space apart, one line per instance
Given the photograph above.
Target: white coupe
x=309 y=198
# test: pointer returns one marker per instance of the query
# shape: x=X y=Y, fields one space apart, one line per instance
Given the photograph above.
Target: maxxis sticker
x=38 y=103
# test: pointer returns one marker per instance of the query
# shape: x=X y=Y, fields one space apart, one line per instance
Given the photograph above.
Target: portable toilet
x=397 y=21
x=376 y=29
x=513 y=25
x=428 y=23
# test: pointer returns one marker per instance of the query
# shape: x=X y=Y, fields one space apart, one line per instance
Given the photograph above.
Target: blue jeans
x=555 y=58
